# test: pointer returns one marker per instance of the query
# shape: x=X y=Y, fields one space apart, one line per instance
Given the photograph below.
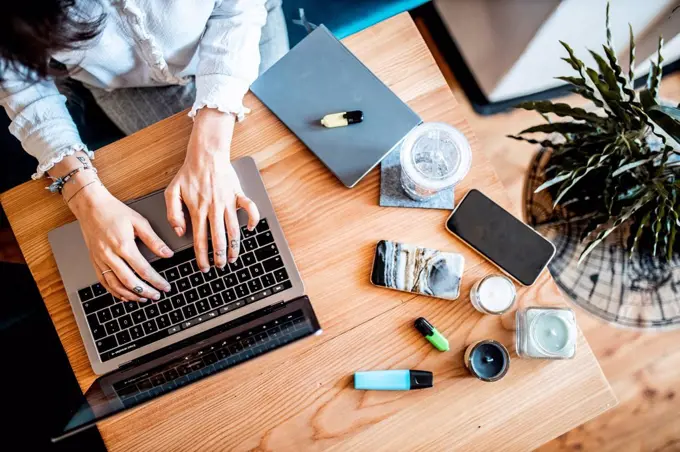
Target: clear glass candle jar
x=434 y=156
x=493 y=294
x=546 y=333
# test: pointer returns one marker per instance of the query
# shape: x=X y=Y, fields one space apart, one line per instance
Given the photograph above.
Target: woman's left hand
x=209 y=186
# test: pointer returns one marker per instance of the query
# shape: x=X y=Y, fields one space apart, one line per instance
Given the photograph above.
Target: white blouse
x=143 y=43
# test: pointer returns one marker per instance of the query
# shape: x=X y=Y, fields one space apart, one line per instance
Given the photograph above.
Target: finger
x=219 y=237
x=199 y=223
x=147 y=235
x=173 y=205
x=233 y=233
x=101 y=279
x=145 y=271
x=129 y=280
x=116 y=287
x=250 y=207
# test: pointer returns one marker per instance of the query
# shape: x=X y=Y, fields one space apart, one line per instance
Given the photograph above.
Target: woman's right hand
x=109 y=228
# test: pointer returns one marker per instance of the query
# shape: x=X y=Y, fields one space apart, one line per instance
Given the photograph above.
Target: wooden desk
x=301 y=397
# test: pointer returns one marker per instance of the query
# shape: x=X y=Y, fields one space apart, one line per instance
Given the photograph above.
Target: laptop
x=320 y=76
x=207 y=323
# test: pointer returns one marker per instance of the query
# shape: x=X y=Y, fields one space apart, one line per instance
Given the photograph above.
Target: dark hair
x=31 y=31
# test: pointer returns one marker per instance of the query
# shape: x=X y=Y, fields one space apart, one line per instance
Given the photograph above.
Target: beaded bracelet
x=58 y=185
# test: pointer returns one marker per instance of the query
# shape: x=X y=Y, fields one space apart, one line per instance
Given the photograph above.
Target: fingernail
x=143 y=300
x=232 y=260
x=167 y=252
x=156 y=296
x=179 y=231
x=251 y=229
x=205 y=270
x=167 y=288
x=222 y=267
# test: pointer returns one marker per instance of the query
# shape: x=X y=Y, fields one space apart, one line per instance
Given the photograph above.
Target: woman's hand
x=209 y=186
x=109 y=228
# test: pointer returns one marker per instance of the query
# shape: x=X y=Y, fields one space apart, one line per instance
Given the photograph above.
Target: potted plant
x=616 y=166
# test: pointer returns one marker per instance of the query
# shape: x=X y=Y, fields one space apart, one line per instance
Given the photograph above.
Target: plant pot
x=639 y=292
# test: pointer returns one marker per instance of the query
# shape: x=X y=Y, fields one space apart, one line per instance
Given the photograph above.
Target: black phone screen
x=503 y=239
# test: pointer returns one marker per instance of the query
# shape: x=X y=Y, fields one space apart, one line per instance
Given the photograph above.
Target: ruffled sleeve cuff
x=57 y=156
x=222 y=92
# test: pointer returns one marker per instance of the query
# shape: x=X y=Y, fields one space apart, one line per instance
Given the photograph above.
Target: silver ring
x=106 y=271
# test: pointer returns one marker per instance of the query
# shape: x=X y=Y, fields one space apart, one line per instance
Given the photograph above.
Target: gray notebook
x=320 y=76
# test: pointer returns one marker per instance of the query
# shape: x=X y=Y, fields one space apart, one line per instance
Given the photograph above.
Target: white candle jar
x=546 y=333
x=493 y=294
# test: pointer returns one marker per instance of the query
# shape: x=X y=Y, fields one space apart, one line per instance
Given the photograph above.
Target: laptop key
x=215 y=301
x=266 y=252
x=136 y=332
x=246 y=233
x=174 y=329
x=229 y=295
x=256 y=270
x=92 y=320
x=248 y=259
x=281 y=275
x=98 y=332
x=243 y=275
x=165 y=306
x=98 y=289
x=217 y=285
x=191 y=296
x=254 y=285
x=163 y=321
x=130 y=306
x=183 y=284
x=123 y=337
x=150 y=326
x=230 y=280
x=236 y=266
x=268 y=280
x=222 y=271
x=125 y=321
x=264 y=238
x=283 y=286
x=203 y=306
x=176 y=316
x=189 y=311
x=241 y=291
x=112 y=327
x=172 y=274
x=85 y=294
x=262 y=225
x=250 y=244
x=196 y=279
x=272 y=263
x=212 y=274
x=173 y=290
x=98 y=303
x=138 y=317
x=185 y=269
x=152 y=311
x=178 y=301
x=106 y=344
x=104 y=315
x=117 y=309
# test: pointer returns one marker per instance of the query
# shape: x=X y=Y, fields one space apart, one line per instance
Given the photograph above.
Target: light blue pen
x=393 y=380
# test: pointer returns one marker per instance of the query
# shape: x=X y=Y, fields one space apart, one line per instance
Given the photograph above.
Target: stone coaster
x=392 y=195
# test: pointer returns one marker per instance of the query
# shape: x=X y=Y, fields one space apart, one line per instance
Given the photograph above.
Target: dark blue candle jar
x=487 y=360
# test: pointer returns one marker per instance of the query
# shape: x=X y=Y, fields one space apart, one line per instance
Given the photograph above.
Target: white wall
x=512 y=46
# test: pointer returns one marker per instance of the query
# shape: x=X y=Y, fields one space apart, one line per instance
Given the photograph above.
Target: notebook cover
x=320 y=76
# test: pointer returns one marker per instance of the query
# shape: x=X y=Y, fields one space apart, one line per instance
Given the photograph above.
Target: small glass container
x=493 y=294
x=487 y=360
x=546 y=333
x=434 y=156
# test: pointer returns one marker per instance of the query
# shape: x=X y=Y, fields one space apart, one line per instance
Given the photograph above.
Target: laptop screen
x=231 y=345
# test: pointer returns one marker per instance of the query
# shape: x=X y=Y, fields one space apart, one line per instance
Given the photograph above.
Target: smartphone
x=423 y=271
x=493 y=232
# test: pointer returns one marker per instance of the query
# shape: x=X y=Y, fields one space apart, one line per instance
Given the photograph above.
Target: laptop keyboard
x=119 y=327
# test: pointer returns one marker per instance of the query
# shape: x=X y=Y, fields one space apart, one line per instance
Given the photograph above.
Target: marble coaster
x=418 y=270
x=392 y=195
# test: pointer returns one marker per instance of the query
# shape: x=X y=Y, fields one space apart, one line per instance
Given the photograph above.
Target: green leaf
x=625 y=215
x=582 y=70
x=561 y=127
x=608 y=74
x=631 y=56
x=580 y=174
x=656 y=225
x=553 y=181
x=644 y=222
x=654 y=78
x=647 y=99
x=543 y=143
x=562 y=110
x=631 y=165
x=618 y=72
x=607 y=28
x=576 y=81
x=666 y=118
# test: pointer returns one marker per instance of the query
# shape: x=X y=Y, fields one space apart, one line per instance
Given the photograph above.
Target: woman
x=143 y=60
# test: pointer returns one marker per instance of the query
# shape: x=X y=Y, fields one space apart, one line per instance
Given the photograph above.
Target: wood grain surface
x=300 y=397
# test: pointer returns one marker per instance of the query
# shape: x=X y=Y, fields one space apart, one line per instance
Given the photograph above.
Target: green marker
x=431 y=334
